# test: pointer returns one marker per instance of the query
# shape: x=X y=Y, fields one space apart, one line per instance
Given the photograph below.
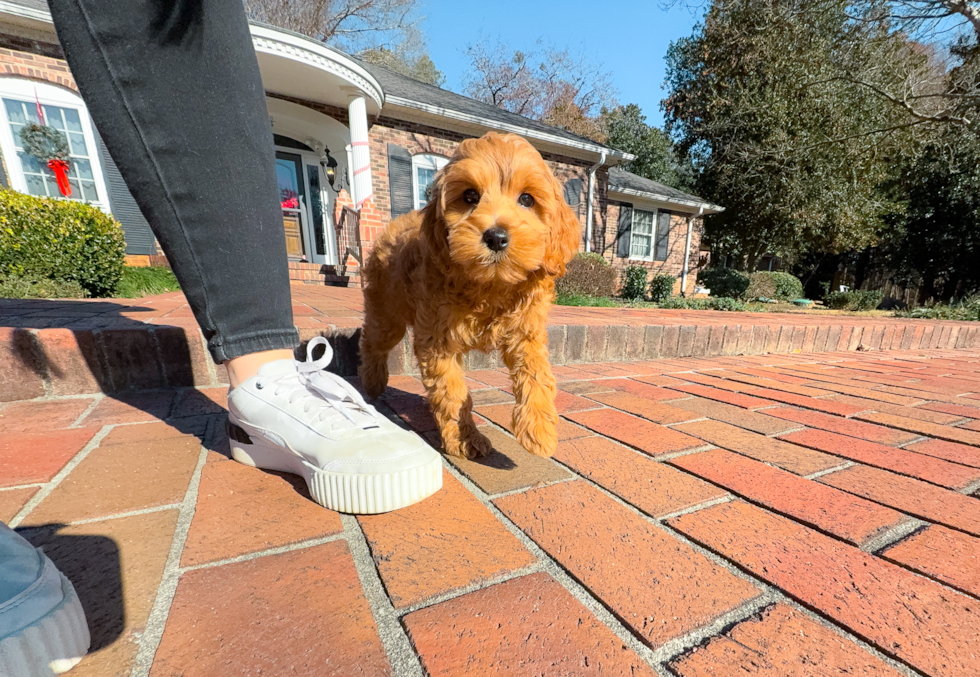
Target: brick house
x=356 y=145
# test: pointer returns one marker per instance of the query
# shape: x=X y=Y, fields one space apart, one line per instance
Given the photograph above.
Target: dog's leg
x=379 y=335
x=451 y=404
x=535 y=416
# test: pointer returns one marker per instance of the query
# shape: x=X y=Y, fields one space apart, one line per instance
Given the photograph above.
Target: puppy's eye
x=471 y=197
x=525 y=200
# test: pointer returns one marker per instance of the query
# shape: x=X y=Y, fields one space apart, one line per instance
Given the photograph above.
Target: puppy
x=474 y=269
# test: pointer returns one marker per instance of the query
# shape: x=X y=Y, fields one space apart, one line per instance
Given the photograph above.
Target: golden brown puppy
x=474 y=269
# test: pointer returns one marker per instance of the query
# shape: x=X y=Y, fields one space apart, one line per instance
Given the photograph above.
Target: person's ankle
x=244 y=367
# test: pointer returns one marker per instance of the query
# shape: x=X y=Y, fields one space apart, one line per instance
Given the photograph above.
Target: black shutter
x=400 y=180
x=663 y=233
x=573 y=192
x=624 y=227
x=139 y=237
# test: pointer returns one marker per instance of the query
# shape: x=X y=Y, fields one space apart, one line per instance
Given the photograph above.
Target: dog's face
x=497 y=211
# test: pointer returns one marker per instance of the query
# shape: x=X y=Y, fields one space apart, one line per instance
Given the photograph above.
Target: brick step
x=135 y=356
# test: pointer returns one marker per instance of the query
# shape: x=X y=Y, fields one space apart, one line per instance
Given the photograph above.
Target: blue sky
x=629 y=38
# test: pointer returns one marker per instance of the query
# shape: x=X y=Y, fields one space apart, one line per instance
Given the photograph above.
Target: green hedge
x=61 y=240
x=774 y=285
x=16 y=287
x=634 y=282
x=856 y=299
x=587 y=274
x=712 y=303
x=726 y=282
x=661 y=287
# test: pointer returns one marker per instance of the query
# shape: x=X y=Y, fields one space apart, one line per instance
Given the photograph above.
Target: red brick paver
x=687 y=495
x=537 y=627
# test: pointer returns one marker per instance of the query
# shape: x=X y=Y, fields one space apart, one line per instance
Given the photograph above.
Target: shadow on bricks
x=92 y=563
x=53 y=352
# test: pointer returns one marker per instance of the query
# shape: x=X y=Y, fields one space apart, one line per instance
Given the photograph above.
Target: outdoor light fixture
x=329 y=165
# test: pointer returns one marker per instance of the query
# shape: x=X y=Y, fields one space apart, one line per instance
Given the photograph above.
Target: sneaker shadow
x=93 y=566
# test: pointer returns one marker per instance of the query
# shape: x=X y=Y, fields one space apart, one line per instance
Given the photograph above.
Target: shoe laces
x=323 y=393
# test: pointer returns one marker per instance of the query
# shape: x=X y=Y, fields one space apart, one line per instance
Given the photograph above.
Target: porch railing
x=349 y=240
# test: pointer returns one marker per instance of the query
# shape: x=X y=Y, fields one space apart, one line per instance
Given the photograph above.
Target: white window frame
x=24 y=90
x=652 y=234
x=424 y=161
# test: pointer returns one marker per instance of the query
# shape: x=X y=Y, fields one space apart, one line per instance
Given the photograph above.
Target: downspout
x=687 y=250
x=588 y=214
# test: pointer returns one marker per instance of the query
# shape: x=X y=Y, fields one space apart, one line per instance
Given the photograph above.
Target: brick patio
x=805 y=514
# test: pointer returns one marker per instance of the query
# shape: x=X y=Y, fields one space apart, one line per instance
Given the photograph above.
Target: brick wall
x=417 y=138
x=676 y=241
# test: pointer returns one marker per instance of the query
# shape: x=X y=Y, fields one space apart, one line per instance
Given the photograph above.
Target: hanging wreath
x=50 y=146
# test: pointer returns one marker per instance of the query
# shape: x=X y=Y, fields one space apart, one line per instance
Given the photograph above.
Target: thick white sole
x=345 y=492
x=52 y=645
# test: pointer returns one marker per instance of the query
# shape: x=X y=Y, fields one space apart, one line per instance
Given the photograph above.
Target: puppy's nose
x=495 y=239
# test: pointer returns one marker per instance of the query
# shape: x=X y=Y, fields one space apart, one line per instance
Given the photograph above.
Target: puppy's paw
x=374 y=378
x=536 y=434
x=470 y=445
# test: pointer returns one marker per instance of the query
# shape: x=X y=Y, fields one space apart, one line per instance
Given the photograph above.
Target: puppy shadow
x=92 y=564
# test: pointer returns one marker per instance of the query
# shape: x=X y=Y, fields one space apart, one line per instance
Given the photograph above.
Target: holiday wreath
x=49 y=146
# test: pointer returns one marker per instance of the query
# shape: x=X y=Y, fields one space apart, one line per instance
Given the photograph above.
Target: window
x=650 y=235
x=424 y=168
x=641 y=238
x=65 y=112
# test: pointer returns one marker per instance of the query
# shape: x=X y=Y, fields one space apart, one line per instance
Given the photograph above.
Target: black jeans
x=174 y=89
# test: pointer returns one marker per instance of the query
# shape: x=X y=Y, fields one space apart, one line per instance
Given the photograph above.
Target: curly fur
x=431 y=271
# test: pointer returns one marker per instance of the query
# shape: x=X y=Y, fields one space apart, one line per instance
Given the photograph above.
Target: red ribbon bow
x=60 y=169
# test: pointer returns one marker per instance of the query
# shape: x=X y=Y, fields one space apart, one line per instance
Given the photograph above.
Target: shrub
x=772 y=284
x=788 y=287
x=17 y=287
x=856 y=299
x=724 y=282
x=145 y=281
x=587 y=275
x=661 y=287
x=761 y=286
x=964 y=309
x=634 y=282
x=63 y=240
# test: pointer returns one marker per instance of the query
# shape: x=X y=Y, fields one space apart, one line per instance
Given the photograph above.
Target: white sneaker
x=42 y=625
x=296 y=418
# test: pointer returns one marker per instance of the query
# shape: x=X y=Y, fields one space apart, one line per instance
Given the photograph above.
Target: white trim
x=25 y=12
x=666 y=200
x=507 y=127
x=299 y=48
x=652 y=235
x=13 y=87
x=424 y=161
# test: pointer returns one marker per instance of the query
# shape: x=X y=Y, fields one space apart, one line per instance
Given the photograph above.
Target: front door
x=306 y=208
x=292 y=197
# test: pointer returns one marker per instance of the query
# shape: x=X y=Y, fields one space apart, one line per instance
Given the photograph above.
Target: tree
x=794 y=151
x=420 y=67
x=936 y=241
x=656 y=157
x=385 y=29
x=545 y=84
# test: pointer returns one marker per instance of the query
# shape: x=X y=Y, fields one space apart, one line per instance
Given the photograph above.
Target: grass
x=138 y=282
x=590 y=301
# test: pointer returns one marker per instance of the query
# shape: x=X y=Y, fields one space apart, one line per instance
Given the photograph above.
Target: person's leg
x=175 y=91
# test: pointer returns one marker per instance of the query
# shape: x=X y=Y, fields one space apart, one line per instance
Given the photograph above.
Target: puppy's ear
x=564 y=237
x=434 y=231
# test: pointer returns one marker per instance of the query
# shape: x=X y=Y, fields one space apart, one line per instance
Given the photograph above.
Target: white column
x=361 y=187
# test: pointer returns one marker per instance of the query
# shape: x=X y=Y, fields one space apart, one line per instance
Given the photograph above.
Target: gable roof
x=406 y=92
x=627 y=183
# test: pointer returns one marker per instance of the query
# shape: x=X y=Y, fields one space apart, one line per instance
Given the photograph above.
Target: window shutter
x=663 y=233
x=400 y=180
x=623 y=229
x=573 y=192
x=139 y=237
